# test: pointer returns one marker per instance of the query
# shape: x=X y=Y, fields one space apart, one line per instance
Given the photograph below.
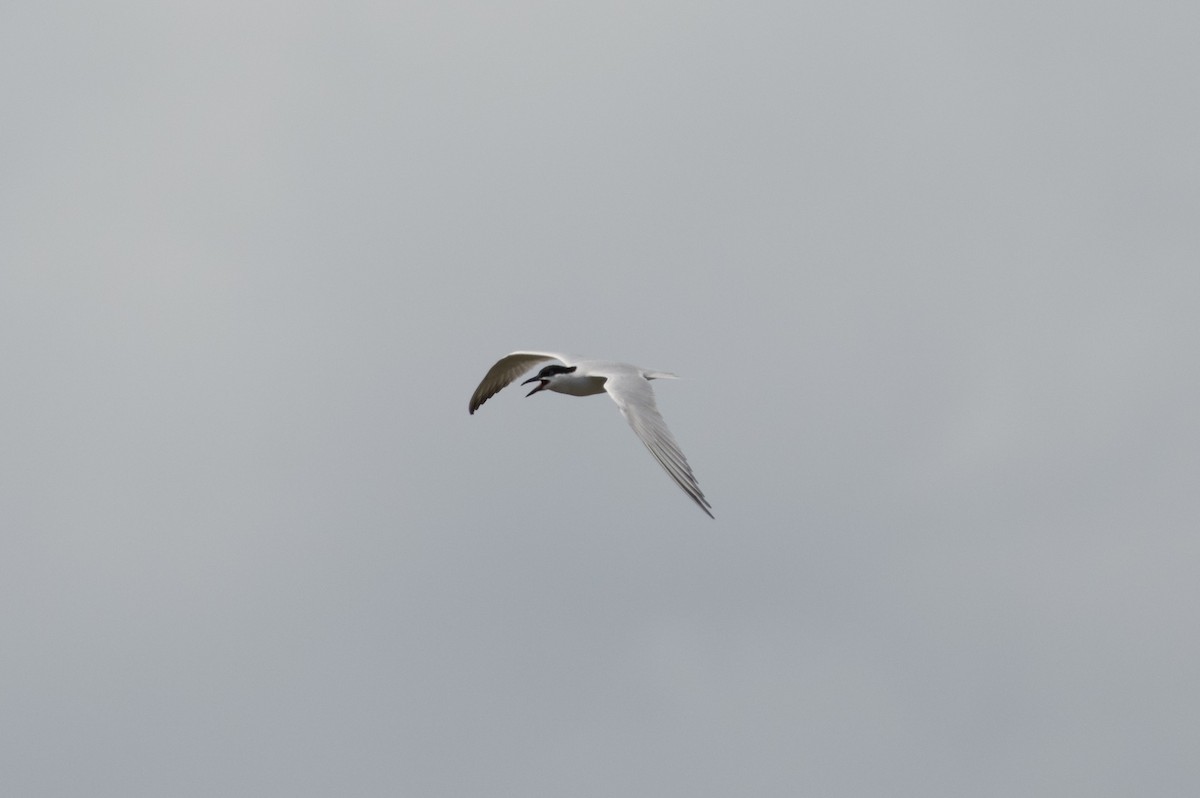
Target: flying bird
x=629 y=386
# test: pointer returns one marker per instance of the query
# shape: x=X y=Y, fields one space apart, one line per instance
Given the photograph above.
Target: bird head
x=546 y=377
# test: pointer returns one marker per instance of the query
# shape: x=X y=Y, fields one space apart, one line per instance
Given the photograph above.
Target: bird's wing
x=634 y=396
x=507 y=369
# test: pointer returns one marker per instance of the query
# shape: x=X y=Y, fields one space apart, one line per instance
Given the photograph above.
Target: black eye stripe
x=555 y=369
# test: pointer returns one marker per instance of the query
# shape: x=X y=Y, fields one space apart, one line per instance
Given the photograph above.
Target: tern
x=628 y=385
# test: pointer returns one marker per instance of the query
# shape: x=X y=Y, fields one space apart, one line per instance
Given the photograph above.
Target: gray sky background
x=931 y=272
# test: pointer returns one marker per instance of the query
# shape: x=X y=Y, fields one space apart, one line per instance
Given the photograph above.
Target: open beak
x=541 y=385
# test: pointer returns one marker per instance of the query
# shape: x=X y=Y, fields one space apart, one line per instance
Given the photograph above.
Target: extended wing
x=507 y=369
x=634 y=396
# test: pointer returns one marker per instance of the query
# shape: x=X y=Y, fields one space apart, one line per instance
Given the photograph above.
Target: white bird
x=629 y=387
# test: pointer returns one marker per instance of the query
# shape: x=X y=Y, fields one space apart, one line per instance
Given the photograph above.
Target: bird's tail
x=660 y=375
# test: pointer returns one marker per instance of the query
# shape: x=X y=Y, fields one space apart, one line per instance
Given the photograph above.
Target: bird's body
x=629 y=387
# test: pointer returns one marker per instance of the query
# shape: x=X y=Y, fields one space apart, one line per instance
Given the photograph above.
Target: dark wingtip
x=475 y=404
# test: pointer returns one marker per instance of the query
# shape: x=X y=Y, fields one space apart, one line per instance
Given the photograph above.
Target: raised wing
x=507 y=369
x=634 y=396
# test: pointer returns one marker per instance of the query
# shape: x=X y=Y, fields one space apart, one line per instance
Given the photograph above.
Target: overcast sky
x=931 y=272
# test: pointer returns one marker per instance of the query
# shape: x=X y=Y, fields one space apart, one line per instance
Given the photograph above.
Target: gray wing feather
x=635 y=398
x=505 y=370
